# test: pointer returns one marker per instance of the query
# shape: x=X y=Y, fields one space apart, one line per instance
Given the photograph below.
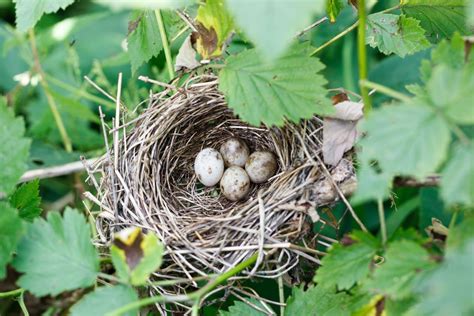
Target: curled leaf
x=186 y=58
x=136 y=255
x=340 y=131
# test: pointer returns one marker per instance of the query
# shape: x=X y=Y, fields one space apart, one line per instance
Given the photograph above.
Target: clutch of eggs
x=235 y=181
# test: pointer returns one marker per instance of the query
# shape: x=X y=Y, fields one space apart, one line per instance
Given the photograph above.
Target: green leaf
x=145 y=4
x=470 y=13
x=404 y=266
x=395 y=34
x=450 y=53
x=144 y=41
x=451 y=91
x=289 y=89
x=457 y=177
x=28 y=12
x=440 y=18
x=27 y=201
x=242 y=309
x=104 y=300
x=409 y=139
x=213 y=16
x=13 y=149
x=333 y=8
x=460 y=234
x=11 y=230
x=317 y=300
x=135 y=255
x=346 y=266
x=449 y=290
x=57 y=255
x=272 y=25
x=372 y=185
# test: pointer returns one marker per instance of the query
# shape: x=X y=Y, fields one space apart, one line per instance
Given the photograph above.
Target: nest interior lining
x=153 y=186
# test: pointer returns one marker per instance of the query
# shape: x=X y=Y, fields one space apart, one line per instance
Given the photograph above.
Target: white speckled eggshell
x=209 y=166
x=234 y=152
x=235 y=183
x=260 y=166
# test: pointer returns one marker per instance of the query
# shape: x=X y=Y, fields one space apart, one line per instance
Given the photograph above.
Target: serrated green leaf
x=289 y=89
x=449 y=290
x=333 y=8
x=242 y=309
x=409 y=139
x=13 y=149
x=317 y=300
x=27 y=201
x=217 y=21
x=57 y=255
x=457 y=186
x=104 y=300
x=272 y=25
x=144 y=41
x=396 y=34
x=11 y=231
x=451 y=91
x=135 y=255
x=345 y=266
x=404 y=266
x=28 y=12
x=440 y=18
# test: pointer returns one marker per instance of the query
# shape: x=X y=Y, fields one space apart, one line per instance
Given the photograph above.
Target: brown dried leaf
x=186 y=58
x=340 y=132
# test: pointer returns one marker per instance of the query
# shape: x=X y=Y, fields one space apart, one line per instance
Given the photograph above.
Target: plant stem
x=164 y=40
x=11 y=293
x=194 y=296
x=346 y=31
x=385 y=90
x=362 y=56
x=453 y=220
x=281 y=295
x=21 y=302
x=51 y=102
x=79 y=92
x=383 y=227
x=335 y=38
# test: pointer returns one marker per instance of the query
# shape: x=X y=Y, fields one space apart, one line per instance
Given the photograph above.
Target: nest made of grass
x=146 y=179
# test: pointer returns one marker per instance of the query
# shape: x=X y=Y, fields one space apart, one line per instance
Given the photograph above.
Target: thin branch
x=310 y=27
x=56 y=171
x=51 y=102
x=164 y=40
x=429 y=181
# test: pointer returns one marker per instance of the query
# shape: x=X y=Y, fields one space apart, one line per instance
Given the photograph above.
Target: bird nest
x=146 y=179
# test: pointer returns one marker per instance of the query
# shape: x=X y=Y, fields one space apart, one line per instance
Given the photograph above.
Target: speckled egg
x=235 y=183
x=260 y=166
x=209 y=166
x=235 y=152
